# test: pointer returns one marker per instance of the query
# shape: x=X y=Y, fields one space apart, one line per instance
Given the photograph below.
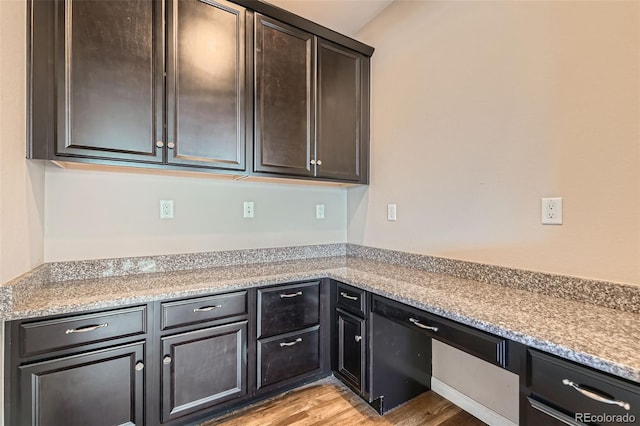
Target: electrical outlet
x=248 y=210
x=551 y=211
x=319 y=211
x=166 y=209
x=391 y=212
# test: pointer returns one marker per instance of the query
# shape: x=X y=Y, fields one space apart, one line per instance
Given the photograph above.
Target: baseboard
x=469 y=405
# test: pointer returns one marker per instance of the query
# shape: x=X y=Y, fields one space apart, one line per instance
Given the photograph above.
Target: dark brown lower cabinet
x=203 y=368
x=352 y=343
x=99 y=388
x=288 y=356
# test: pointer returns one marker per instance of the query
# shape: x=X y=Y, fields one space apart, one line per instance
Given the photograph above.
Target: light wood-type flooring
x=329 y=402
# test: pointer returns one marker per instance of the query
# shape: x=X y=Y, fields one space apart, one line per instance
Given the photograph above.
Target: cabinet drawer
x=66 y=332
x=288 y=356
x=286 y=308
x=485 y=346
x=576 y=389
x=352 y=299
x=191 y=311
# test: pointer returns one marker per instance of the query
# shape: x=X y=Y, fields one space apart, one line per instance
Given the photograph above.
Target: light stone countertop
x=600 y=337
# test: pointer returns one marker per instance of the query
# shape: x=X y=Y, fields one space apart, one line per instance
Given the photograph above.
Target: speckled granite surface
x=612 y=295
x=598 y=336
x=101 y=268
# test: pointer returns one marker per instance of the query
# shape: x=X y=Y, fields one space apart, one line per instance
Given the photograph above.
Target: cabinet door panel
x=206 y=84
x=109 y=79
x=351 y=350
x=203 y=368
x=339 y=112
x=97 y=388
x=284 y=98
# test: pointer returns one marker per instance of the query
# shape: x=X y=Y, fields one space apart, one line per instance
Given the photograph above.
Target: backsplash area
x=608 y=294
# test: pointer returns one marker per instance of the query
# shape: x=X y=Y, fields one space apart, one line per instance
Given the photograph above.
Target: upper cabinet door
x=109 y=79
x=284 y=101
x=206 y=84
x=339 y=112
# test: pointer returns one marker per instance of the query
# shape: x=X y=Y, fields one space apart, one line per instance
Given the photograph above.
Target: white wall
x=21 y=182
x=96 y=214
x=479 y=109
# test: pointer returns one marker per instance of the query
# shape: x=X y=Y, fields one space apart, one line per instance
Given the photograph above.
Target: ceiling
x=344 y=16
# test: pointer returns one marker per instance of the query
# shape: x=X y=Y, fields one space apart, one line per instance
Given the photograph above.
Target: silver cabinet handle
x=298 y=340
x=595 y=396
x=358 y=338
x=346 y=296
x=159 y=144
x=319 y=162
x=563 y=418
x=207 y=308
x=166 y=360
x=171 y=145
x=297 y=293
x=312 y=162
x=139 y=366
x=85 y=329
x=425 y=327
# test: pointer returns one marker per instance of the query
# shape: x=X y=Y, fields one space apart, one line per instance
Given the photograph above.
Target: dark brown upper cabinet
x=284 y=101
x=311 y=105
x=342 y=128
x=238 y=87
x=206 y=84
x=108 y=71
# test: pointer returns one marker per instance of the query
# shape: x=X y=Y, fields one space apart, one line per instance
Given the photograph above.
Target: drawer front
x=351 y=299
x=289 y=356
x=191 y=311
x=287 y=308
x=482 y=345
x=576 y=389
x=62 y=333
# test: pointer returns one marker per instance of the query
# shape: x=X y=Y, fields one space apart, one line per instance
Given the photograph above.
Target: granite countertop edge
x=341 y=273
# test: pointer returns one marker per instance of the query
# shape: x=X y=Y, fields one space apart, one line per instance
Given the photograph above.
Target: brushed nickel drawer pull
x=207 y=308
x=595 y=396
x=297 y=293
x=298 y=340
x=424 y=327
x=139 y=366
x=85 y=329
x=561 y=417
x=346 y=296
x=358 y=338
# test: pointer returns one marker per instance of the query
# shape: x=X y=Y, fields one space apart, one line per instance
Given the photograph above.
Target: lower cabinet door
x=203 y=368
x=288 y=356
x=99 y=388
x=351 y=350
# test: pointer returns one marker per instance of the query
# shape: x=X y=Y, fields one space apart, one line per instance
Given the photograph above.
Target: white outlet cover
x=319 y=211
x=166 y=209
x=249 y=210
x=391 y=212
x=551 y=211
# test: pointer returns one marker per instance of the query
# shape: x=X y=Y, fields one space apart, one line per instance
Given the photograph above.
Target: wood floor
x=329 y=402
